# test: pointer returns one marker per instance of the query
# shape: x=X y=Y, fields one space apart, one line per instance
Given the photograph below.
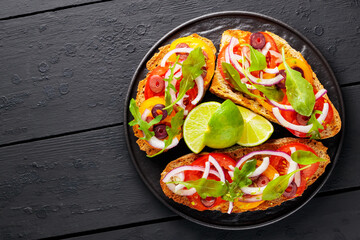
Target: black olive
x=257 y=40
x=281 y=84
x=155 y=111
x=292 y=191
x=302 y=120
x=208 y=202
x=160 y=131
x=262 y=181
x=299 y=70
x=183 y=56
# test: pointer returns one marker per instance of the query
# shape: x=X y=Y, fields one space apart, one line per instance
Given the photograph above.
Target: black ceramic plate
x=212 y=26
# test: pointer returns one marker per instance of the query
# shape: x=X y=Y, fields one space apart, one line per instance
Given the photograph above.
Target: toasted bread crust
x=140 y=97
x=236 y=153
x=221 y=88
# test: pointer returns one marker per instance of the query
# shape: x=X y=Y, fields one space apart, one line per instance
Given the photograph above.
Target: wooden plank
x=71 y=184
x=17 y=8
x=333 y=217
x=69 y=70
x=86 y=181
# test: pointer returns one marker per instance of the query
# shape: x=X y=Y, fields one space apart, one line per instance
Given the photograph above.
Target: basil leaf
x=241 y=179
x=305 y=157
x=300 y=92
x=258 y=60
x=314 y=131
x=191 y=69
x=272 y=93
x=234 y=78
x=143 y=125
x=206 y=187
x=170 y=86
x=176 y=123
x=277 y=186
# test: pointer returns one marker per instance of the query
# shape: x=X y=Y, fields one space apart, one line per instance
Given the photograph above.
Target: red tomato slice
x=281 y=165
x=161 y=71
x=192 y=93
x=224 y=161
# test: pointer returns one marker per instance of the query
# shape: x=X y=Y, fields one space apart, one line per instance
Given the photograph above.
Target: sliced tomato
x=270 y=59
x=281 y=165
x=161 y=71
x=293 y=117
x=192 y=94
x=224 y=161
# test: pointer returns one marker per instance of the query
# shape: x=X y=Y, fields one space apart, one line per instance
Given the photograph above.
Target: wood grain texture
x=335 y=217
x=71 y=184
x=69 y=70
x=15 y=8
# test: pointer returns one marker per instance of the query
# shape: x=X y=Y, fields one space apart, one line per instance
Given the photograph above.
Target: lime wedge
x=196 y=124
x=257 y=129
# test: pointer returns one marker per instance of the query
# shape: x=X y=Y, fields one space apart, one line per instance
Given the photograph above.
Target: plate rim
x=219 y=14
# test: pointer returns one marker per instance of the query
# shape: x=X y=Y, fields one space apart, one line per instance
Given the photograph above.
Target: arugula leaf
x=305 y=157
x=277 y=186
x=234 y=78
x=176 y=123
x=191 y=69
x=240 y=180
x=258 y=60
x=206 y=187
x=300 y=92
x=170 y=86
x=143 y=125
x=272 y=93
x=314 y=131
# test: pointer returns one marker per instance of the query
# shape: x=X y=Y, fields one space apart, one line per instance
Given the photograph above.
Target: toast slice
x=236 y=153
x=140 y=97
x=222 y=88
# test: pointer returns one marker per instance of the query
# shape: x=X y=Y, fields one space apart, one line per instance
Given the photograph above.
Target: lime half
x=257 y=129
x=196 y=124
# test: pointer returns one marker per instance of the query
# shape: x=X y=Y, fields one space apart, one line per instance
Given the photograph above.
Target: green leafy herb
x=272 y=93
x=314 y=131
x=170 y=86
x=191 y=69
x=143 y=125
x=305 y=157
x=277 y=186
x=258 y=60
x=234 y=78
x=176 y=123
x=241 y=179
x=206 y=187
x=299 y=91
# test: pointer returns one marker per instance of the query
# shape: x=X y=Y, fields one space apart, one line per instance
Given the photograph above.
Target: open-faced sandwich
x=262 y=72
x=179 y=75
x=245 y=179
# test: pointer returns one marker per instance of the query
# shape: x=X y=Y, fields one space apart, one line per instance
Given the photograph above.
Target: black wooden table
x=65 y=69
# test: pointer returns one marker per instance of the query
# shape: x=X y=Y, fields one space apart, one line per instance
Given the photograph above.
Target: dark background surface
x=65 y=70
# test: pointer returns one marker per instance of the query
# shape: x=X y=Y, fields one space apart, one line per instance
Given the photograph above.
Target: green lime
x=225 y=126
x=257 y=129
x=196 y=123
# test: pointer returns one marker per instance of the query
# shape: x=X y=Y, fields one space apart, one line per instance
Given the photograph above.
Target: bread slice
x=236 y=153
x=140 y=97
x=221 y=87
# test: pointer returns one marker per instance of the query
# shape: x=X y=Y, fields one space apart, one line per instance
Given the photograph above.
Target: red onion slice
x=231 y=205
x=297 y=176
x=266 y=48
x=207 y=170
x=200 y=85
x=303 y=129
x=277 y=55
x=145 y=114
x=320 y=93
x=264 y=82
x=176 y=50
x=272 y=70
x=233 y=43
x=253 y=190
x=218 y=168
x=263 y=166
x=157 y=143
x=182 y=105
x=177 y=170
